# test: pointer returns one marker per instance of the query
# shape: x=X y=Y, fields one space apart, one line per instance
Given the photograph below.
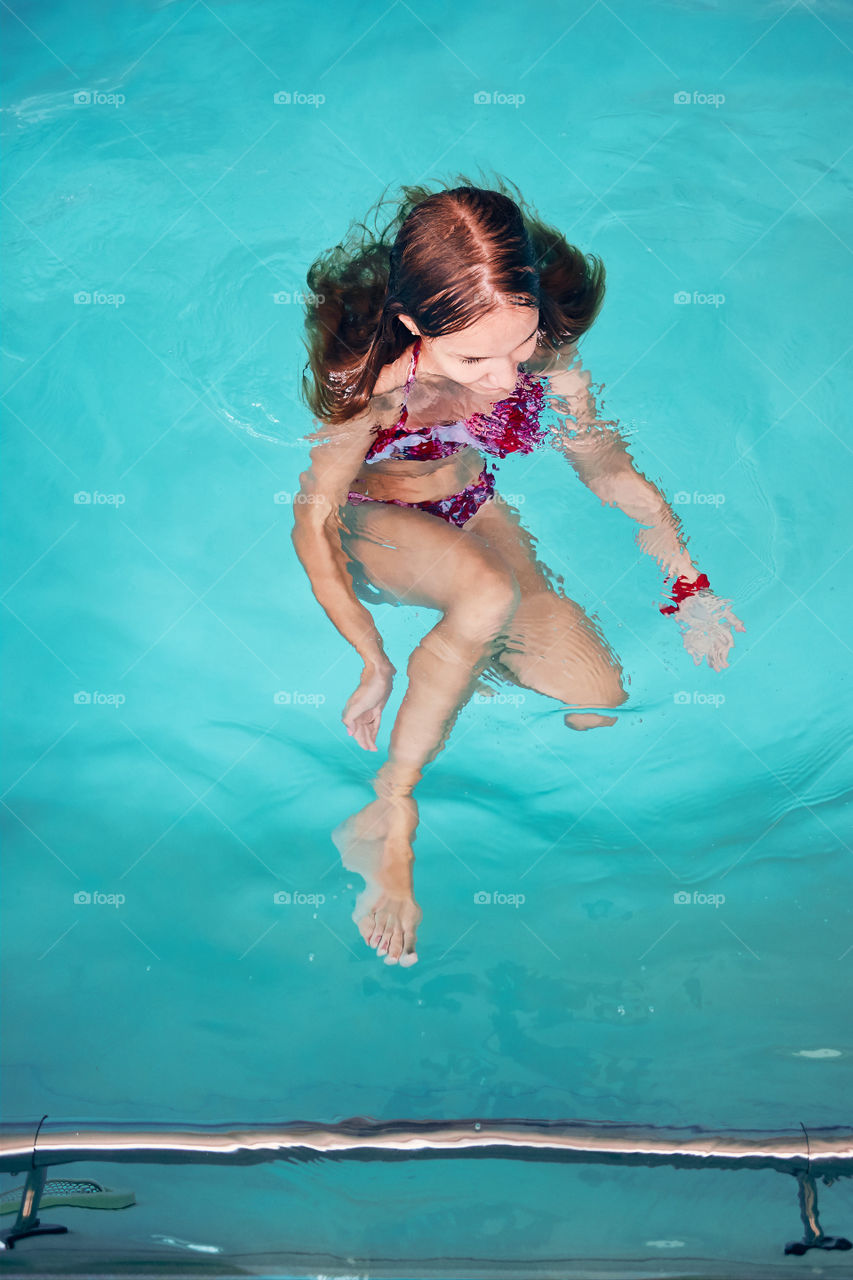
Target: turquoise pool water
x=154 y=628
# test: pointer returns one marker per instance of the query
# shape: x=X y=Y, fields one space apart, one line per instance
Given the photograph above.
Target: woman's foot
x=376 y=843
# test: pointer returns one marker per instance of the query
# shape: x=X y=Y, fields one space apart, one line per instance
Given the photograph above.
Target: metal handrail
x=49 y=1142
x=808 y=1154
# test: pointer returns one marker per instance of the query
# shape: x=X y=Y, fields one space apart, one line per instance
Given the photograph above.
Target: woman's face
x=486 y=355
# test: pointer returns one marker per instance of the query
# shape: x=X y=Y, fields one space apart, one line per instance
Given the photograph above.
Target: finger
x=371 y=726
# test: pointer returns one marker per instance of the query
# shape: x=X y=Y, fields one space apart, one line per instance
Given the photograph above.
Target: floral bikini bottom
x=455 y=509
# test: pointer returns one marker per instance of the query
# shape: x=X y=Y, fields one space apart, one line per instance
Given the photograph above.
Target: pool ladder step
x=39 y=1192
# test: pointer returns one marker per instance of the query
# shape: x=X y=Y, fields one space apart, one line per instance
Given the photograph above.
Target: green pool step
x=76 y=1193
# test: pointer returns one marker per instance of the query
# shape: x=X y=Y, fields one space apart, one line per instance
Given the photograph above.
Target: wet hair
x=445 y=258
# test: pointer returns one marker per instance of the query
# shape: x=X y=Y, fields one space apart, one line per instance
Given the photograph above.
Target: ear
x=410 y=325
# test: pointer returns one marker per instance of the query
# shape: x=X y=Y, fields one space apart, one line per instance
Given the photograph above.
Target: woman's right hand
x=363 y=710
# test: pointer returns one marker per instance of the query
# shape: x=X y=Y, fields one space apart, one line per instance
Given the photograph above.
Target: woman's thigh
x=399 y=555
x=550 y=644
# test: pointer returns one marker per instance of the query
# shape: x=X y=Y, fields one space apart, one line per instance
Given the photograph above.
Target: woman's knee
x=486 y=602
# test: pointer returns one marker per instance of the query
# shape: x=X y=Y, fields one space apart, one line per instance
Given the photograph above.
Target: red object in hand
x=682 y=589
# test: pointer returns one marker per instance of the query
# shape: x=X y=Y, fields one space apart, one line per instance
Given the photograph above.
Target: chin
x=494 y=393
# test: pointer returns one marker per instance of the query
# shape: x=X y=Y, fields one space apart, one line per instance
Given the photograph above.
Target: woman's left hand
x=704 y=620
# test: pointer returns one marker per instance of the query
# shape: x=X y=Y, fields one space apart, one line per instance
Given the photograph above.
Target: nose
x=503 y=379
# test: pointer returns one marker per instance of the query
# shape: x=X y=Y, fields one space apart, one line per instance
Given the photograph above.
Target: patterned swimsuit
x=511 y=427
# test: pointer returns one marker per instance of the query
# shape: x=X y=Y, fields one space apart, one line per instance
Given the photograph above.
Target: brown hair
x=441 y=258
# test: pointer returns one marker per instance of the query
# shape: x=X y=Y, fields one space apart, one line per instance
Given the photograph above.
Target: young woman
x=445 y=336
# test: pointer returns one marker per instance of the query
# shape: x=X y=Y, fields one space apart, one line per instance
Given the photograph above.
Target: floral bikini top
x=512 y=426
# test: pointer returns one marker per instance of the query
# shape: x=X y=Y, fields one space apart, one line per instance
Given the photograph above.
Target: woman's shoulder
x=549 y=361
x=564 y=369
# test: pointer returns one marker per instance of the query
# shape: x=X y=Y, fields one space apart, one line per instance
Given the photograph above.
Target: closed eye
x=479 y=359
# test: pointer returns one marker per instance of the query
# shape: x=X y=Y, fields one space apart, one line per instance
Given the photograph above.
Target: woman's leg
x=415 y=558
x=403 y=555
x=551 y=645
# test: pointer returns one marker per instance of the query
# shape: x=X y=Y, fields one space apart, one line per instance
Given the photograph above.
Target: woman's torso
x=410 y=479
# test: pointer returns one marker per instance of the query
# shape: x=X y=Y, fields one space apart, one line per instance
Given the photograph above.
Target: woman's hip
x=456 y=508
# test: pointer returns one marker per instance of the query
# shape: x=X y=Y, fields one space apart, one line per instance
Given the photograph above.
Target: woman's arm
x=316 y=534
x=316 y=539
x=599 y=455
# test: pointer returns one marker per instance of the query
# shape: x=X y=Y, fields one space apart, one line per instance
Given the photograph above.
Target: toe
x=379 y=930
x=387 y=936
x=366 y=926
x=409 y=955
x=395 y=946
